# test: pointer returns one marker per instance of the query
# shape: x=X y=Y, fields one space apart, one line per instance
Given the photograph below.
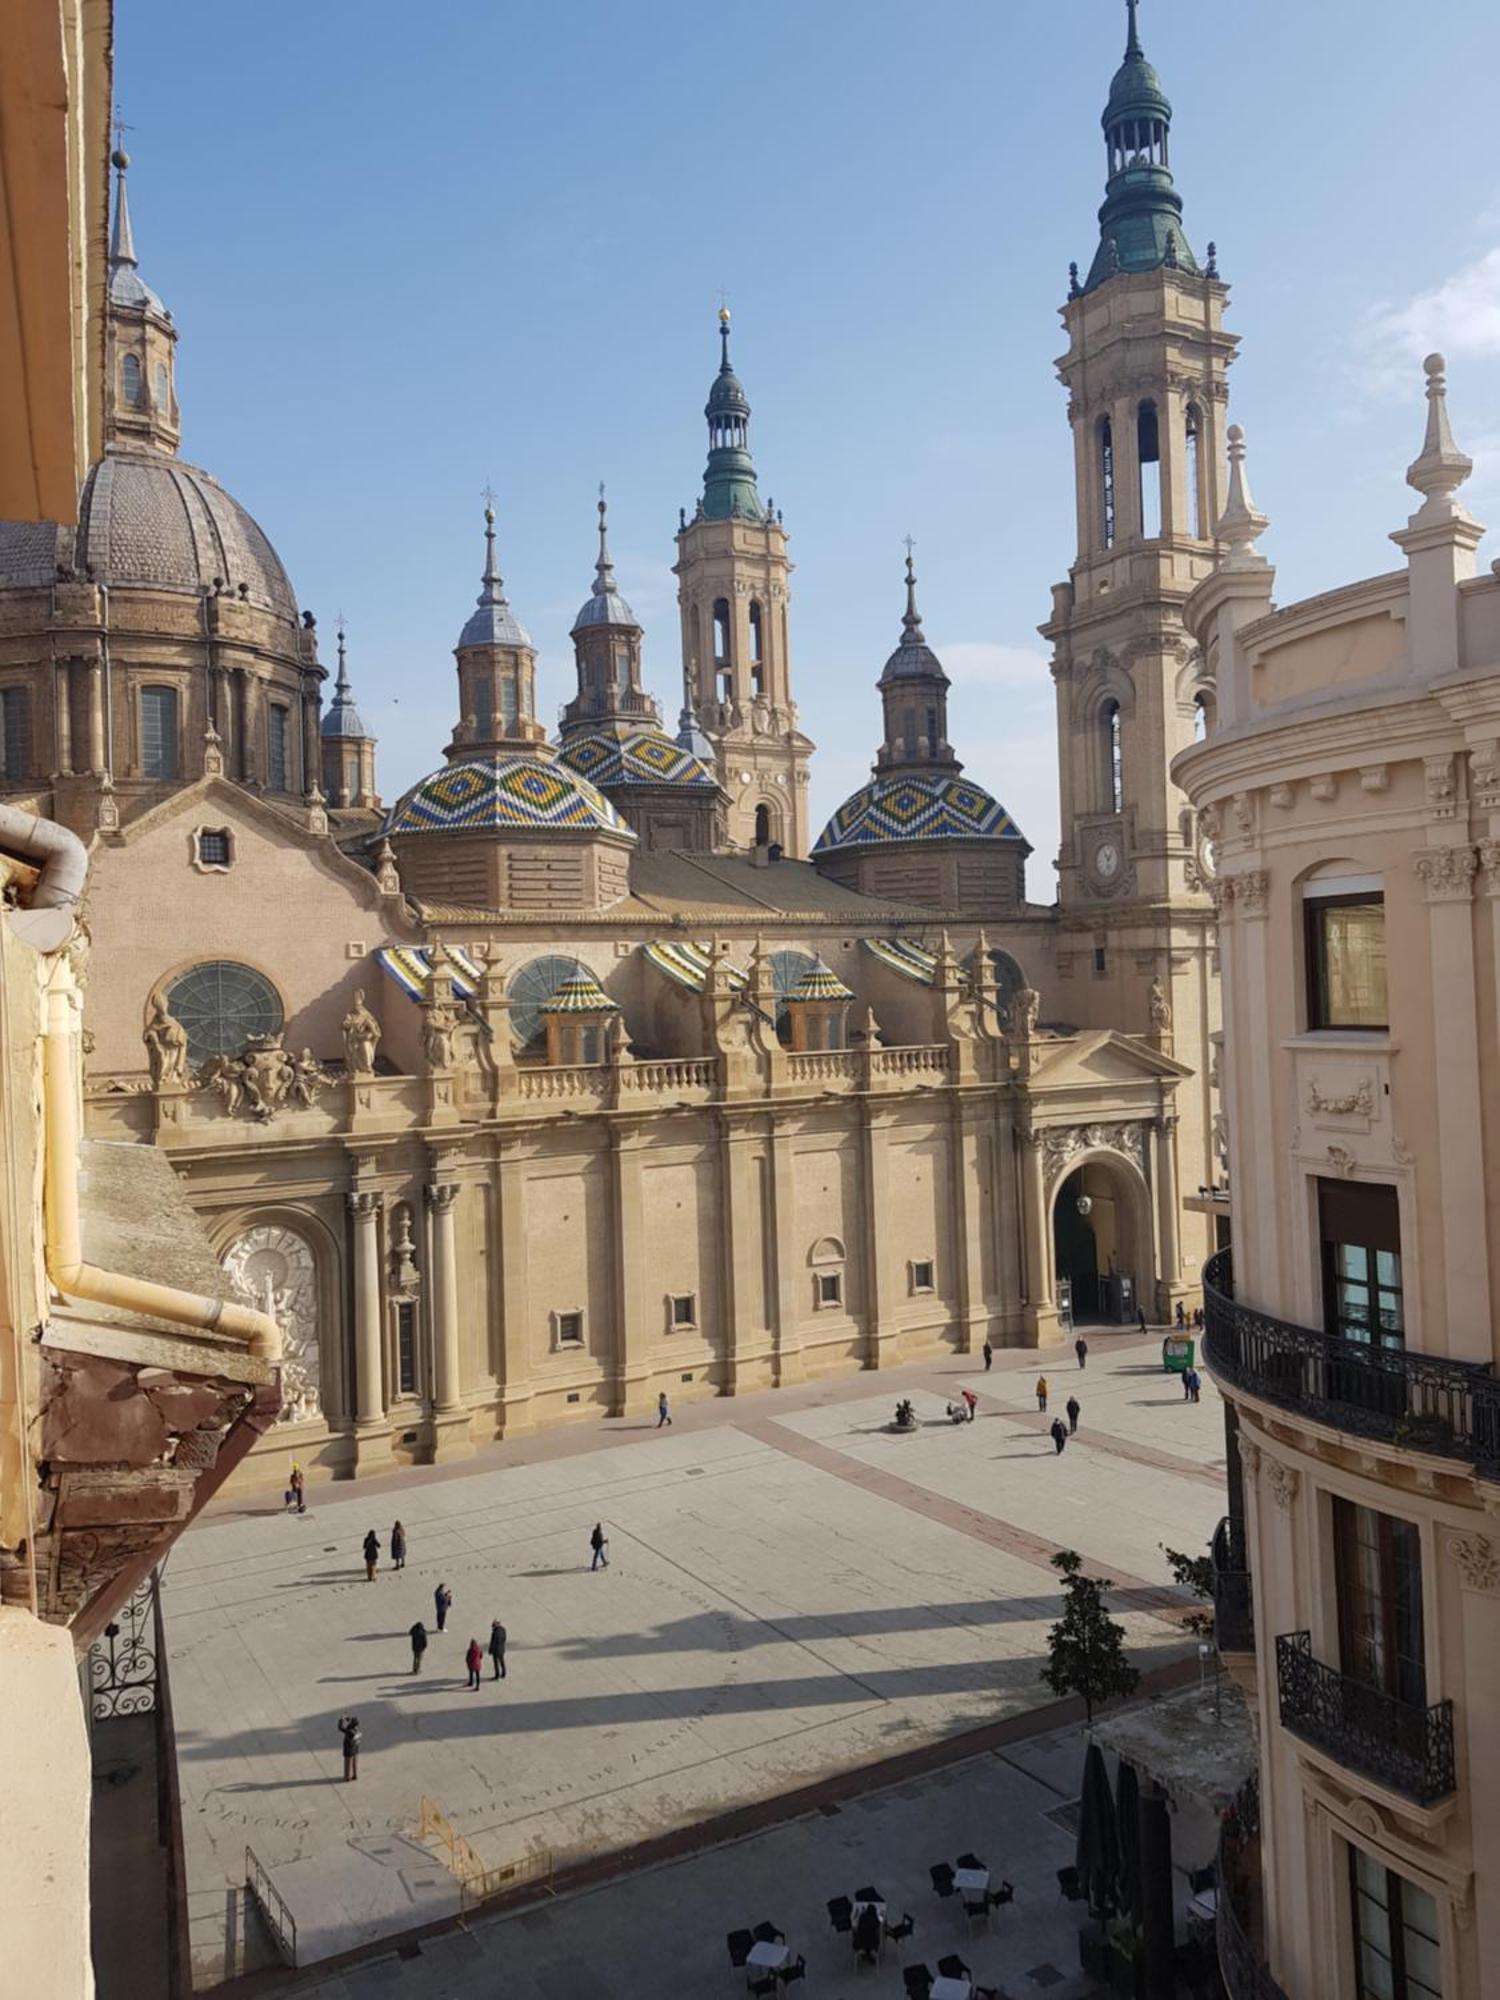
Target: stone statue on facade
x=1025 y=1012
x=166 y=1049
x=439 y=1024
x=361 y=1038
x=1160 y=1008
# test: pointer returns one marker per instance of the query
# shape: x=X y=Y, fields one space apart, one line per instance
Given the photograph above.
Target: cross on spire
x=908 y=545
x=487 y=495
x=121 y=128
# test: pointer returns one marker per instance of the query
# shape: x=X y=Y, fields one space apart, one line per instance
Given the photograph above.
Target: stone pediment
x=1101 y=1056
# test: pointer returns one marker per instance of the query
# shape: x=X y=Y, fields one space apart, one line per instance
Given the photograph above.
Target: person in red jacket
x=474 y=1660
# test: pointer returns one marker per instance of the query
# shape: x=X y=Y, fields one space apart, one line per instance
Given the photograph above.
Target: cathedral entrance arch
x=1101 y=1241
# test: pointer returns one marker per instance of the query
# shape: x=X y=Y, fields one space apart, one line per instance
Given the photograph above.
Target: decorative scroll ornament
x=274 y=1270
x=1283 y=1480
x=1359 y=1103
x=122 y=1666
x=1478 y=1561
x=1060 y=1143
x=265 y=1079
x=1447 y=873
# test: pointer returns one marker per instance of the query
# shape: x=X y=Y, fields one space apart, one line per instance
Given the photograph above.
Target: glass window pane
x=221 y=1005
x=159 y=732
x=1353 y=1261
x=15 y=734
x=1352 y=971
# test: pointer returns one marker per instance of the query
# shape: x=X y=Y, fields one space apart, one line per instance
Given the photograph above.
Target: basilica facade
x=584 y=1069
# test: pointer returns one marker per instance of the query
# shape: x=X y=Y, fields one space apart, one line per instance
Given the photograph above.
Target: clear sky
x=415 y=249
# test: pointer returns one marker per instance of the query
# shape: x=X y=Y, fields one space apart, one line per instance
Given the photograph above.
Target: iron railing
x=123 y=1663
x=1234 y=1616
x=1405 y=1745
x=268 y=1899
x=1245 y=1973
x=1420 y=1401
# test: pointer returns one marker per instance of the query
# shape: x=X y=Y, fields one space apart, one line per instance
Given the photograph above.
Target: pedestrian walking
x=295 y=1484
x=1181 y=1317
x=497 y=1648
x=989 y=1357
x=663 y=1412
x=1081 y=1349
x=971 y=1404
x=1195 y=1384
x=1059 y=1435
x=1075 y=1411
x=599 y=1542
x=372 y=1555
x=1141 y=1319
x=442 y=1599
x=1187 y=1385
x=418 y=1645
x=350 y=1732
x=1041 y=1393
x=398 y=1547
x=474 y=1660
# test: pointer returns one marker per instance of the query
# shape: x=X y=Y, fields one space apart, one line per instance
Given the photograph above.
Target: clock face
x=1208 y=860
x=1106 y=861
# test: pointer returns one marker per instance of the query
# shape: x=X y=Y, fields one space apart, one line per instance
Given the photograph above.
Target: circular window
x=222 y=1005
x=532 y=987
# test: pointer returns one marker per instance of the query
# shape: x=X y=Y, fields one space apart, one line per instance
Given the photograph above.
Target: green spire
x=729 y=488
x=1140 y=224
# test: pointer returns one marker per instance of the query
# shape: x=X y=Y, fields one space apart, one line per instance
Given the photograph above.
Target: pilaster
x=372 y=1432
x=632 y=1371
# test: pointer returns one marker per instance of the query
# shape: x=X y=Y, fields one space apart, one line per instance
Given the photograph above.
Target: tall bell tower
x=732 y=572
x=1146 y=374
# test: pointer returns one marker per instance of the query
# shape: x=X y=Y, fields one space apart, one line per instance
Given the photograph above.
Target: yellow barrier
x=476 y=1883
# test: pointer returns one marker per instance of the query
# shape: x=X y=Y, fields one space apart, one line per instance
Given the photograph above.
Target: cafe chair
x=761 y=1987
x=917 y=1981
x=841 y=1913
x=942 y=1878
x=969 y=1861
x=789 y=1973
x=869 y=1894
x=1068 y=1884
x=899 y=1933
x=1006 y=1893
x=953 y=1967
x=977 y=1912
x=767 y=1933
x=740 y=1945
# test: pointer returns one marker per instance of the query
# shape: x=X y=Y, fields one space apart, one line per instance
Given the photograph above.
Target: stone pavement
x=794 y=1591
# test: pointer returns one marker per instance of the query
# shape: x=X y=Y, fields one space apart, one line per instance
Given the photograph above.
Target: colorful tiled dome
x=642 y=757
x=504 y=794
x=580 y=994
x=822 y=983
x=925 y=805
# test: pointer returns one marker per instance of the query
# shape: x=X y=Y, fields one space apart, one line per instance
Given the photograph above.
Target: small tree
x=1194 y=1574
x=1086 y=1646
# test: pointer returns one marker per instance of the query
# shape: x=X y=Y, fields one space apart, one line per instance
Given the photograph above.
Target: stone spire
x=914 y=695
x=729 y=487
x=140 y=383
x=496 y=670
x=348 y=746
x=1140 y=224
x=1442 y=468
x=607 y=651
x=1241 y=524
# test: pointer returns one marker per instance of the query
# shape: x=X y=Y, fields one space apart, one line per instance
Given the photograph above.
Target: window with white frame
x=1344 y=940
x=567 y=1328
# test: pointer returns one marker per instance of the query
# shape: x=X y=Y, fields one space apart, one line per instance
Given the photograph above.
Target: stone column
x=441 y=1198
x=632 y=1395
x=96 y=717
x=369 y=1370
x=785 y=1317
x=879 y=1332
x=739 y=1247
x=968 y=1225
x=62 y=711
x=1164 y=1186
x=312 y=745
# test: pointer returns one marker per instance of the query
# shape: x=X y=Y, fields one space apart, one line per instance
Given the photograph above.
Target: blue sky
x=412 y=250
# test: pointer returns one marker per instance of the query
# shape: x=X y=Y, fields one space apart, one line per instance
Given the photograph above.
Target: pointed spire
x=341 y=684
x=724 y=367
x=494 y=584
x=1241 y=524
x=604 y=573
x=122 y=237
x=492 y=622
x=1133 y=50
x=1442 y=468
x=911 y=625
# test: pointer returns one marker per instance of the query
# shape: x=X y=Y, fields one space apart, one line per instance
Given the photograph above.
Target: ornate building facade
x=583 y=1071
x=1352 y=784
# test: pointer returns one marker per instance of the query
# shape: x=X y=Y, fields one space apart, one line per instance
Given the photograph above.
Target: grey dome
x=494 y=624
x=152 y=522
x=605 y=607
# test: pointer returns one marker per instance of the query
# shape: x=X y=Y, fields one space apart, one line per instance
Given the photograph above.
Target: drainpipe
x=47 y=925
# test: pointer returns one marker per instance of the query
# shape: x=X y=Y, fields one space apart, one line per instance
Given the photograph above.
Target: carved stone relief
x=1062 y=1143
x=273 y=1269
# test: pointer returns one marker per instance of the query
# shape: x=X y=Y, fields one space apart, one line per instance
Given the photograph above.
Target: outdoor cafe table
x=770 y=1954
x=972 y=1879
x=951 y=1989
x=859 y=1909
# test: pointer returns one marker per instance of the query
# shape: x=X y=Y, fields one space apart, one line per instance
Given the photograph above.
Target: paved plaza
x=793 y=1591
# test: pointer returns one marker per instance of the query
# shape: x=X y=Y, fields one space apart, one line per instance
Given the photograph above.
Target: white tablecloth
x=971 y=1879
x=769 y=1954
x=952 y=1989
x=860 y=1908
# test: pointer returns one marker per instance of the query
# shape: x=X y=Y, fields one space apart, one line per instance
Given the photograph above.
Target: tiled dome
x=927 y=805
x=641 y=757
x=503 y=794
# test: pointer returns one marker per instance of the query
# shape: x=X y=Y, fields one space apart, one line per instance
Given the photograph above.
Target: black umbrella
x=1127 y=1816
x=1098 y=1853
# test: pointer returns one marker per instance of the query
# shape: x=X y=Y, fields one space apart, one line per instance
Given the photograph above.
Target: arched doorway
x=1101 y=1243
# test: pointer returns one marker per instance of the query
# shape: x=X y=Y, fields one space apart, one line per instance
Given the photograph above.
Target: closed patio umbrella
x=1128 y=1828
x=1098 y=1852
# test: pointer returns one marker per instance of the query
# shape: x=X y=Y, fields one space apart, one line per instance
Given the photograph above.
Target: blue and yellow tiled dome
x=504 y=794
x=639 y=757
x=922 y=805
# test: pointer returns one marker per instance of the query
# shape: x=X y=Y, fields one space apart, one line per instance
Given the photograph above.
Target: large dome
x=149 y=521
x=641 y=757
x=917 y=806
x=503 y=794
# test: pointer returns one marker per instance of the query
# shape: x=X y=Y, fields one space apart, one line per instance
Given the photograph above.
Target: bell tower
x=1146 y=375
x=732 y=572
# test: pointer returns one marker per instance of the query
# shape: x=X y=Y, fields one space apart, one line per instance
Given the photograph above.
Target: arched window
x=531 y=986
x=130 y=381
x=1201 y=717
x=1107 y=481
x=1148 y=468
x=762 y=826
x=1112 y=761
x=1194 y=470
x=1009 y=978
x=757 y=650
x=932 y=732
x=622 y=668
x=221 y=1005
x=723 y=665
x=159 y=732
x=163 y=392
x=484 y=705
x=909 y=731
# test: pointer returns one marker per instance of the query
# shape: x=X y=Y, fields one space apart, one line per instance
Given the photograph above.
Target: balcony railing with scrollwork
x=1245 y=1973
x=1419 y=1401
x=1405 y=1745
x=1234 y=1618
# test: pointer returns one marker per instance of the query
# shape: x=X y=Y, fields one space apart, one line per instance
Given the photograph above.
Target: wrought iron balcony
x=1419 y=1401
x=1244 y=1971
x=1234 y=1618
x=1405 y=1745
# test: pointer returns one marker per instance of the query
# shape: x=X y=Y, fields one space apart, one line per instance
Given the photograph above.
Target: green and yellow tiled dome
x=917 y=805
x=503 y=794
x=639 y=757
